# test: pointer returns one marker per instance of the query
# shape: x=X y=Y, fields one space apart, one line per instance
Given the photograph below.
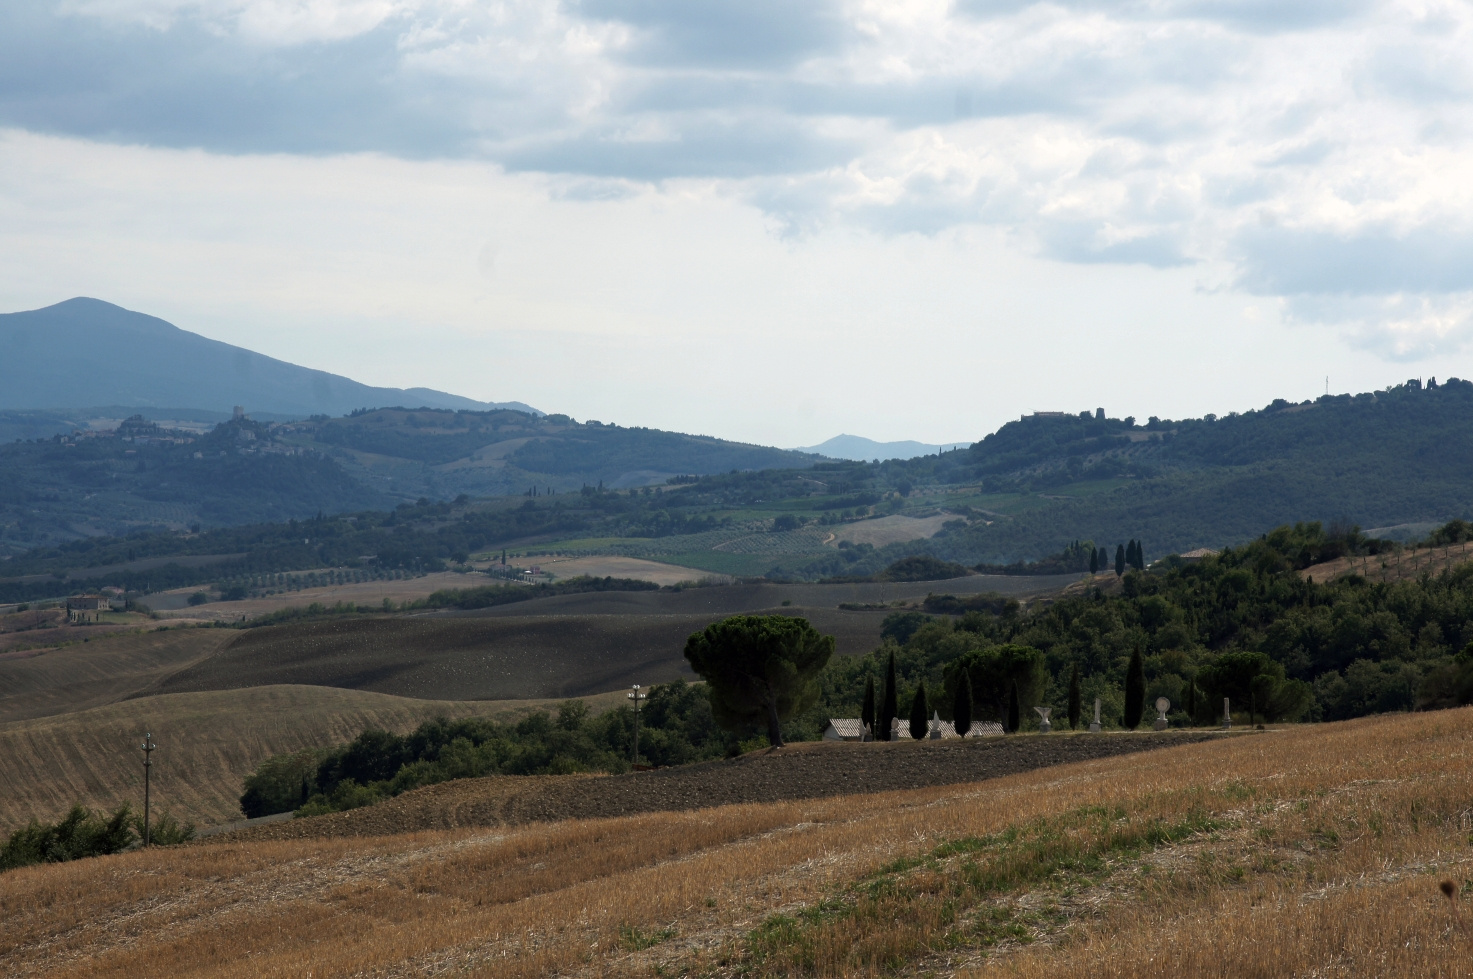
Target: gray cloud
x=725 y=33
x=1373 y=261
x=1155 y=132
x=191 y=87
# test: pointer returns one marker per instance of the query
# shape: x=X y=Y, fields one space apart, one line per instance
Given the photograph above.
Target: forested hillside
x=244 y=472
x=1398 y=460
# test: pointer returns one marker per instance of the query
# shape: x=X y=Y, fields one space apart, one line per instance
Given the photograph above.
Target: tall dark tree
x=1104 y=559
x=760 y=669
x=889 y=703
x=1140 y=556
x=867 y=712
x=919 y=714
x=1119 y=560
x=1130 y=553
x=1074 y=704
x=961 y=706
x=1094 y=561
x=1135 y=690
x=1191 y=702
x=1014 y=709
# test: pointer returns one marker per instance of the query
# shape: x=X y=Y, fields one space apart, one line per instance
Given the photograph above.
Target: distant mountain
x=861 y=449
x=84 y=352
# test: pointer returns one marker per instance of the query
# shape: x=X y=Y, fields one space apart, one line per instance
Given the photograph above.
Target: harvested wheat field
x=1319 y=851
x=208 y=743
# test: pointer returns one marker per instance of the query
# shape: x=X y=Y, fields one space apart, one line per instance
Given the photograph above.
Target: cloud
x=1312 y=149
x=706 y=34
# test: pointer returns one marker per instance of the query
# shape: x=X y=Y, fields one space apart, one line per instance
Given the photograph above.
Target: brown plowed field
x=108 y=668
x=483 y=657
x=798 y=771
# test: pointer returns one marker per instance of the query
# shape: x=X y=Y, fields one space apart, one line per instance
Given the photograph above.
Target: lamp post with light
x=636 y=696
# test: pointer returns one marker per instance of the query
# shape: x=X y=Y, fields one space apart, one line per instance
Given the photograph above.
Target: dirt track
x=799 y=771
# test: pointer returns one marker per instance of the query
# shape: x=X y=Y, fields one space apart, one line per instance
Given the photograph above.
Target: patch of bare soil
x=358 y=593
x=894 y=529
x=1404 y=565
x=606 y=566
x=798 y=771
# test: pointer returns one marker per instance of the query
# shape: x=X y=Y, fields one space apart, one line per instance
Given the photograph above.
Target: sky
x=758 y=219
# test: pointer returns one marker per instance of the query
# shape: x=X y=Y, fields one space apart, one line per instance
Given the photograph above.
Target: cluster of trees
x=1129 y=555
x=1244 y=624
x=676 y=725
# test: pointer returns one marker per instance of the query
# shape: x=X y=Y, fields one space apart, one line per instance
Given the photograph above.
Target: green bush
x=80 y=833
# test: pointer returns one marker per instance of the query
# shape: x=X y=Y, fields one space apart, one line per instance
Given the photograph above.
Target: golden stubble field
x=1317 y=851
x=208 y=743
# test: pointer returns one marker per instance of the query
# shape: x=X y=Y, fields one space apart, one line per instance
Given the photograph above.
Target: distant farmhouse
x=88 y=603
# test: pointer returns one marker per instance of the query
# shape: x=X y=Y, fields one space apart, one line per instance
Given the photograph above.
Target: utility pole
x=636 y=696
x=147 y=748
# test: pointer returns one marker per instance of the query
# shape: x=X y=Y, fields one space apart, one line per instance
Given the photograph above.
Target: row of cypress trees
x=880 y=723
x=961 y=709
x=1130 y=555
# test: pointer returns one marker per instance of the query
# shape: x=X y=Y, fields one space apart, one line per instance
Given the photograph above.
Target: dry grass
x=1317 y=851
x=609 y=565
x=894 y=529
x=358 y=593
x=1404 y=565
x=208 y=743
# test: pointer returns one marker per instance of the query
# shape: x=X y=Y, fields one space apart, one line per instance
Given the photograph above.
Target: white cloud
x=1314 y=153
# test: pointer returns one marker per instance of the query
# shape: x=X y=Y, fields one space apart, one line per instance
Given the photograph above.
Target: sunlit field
x=1313 y=851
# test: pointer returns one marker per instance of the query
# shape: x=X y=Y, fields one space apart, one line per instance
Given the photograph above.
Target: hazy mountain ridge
x=857 y=448
x=246 y=471
x=85 y=352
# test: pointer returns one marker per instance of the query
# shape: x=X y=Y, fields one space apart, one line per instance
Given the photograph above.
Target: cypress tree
x=1140 y=556
x=1135 y=690
x=1094 y=561
x=961 y=707
x=1119 y=560
x=867 y=712
x=1191 y=704
x=889 y=707
x=919 y=722
x=1074 y=705
x=1130 y=553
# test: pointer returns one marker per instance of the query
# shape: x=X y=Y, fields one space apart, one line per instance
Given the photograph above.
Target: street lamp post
x=636 y=696
x=147 y=748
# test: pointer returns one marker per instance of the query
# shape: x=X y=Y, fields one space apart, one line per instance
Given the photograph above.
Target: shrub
x=80 y=833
